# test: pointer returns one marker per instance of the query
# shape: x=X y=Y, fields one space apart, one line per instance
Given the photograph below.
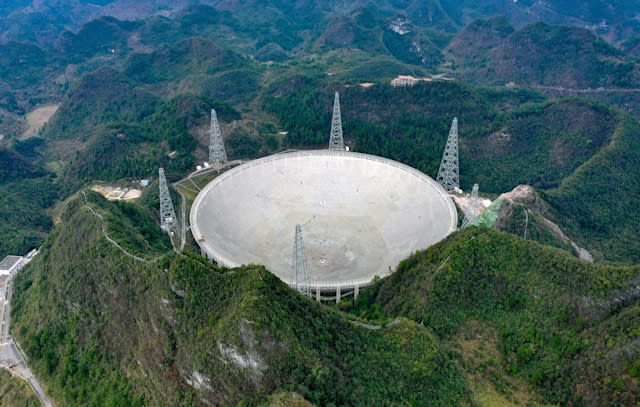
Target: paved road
x=11 y=356
x=183 y=205
x=211 y=169
x=183 y=223
x=587 y=90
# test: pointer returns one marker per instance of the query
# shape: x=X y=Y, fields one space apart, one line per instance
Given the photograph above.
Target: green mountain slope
x=171 y=63
x=103 y=36
x=23 y=65
x=540 y=54
x=99 y=97
x=14 y=166
x=23 y=209
x=27 y=190
x=101 y=328
x=538 y=144
x=414 y=132
x=45 y=20
x=172 y=137
x=27 y=79
x=569 y=328
x=596 y=202
x=485 y=311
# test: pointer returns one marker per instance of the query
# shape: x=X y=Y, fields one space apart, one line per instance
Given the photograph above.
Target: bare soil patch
x=37 y=118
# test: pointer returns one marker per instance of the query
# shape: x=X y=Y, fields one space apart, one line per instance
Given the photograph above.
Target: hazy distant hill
x=614 y=19
x=491 y=51
x=44 y=20
x=632 y=46
x=174 y=62
x=102 y=36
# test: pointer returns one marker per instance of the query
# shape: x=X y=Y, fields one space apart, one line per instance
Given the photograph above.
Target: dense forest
x=557 y=322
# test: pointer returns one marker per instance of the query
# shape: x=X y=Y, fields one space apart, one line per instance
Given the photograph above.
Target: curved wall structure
x=360 y=215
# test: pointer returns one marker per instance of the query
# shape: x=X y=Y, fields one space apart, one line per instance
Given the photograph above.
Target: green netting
x=489 y=216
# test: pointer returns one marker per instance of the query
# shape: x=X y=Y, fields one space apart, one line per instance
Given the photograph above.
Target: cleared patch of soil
x=37 y=118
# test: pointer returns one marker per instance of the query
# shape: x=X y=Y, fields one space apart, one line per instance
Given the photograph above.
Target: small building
x=10 y=265
x=407 y=80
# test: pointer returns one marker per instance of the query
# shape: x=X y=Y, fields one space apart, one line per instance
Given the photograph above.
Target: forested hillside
x=43 y=21
x=492 y=51
x=176 y=330
x=16 y=393
x=595 y=200
x=26 y=191
x=567 y=328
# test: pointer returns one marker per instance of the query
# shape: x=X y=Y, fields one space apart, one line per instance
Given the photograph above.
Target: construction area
x=117 y=193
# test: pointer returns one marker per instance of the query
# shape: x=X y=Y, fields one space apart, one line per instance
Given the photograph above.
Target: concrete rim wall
x=211 y=252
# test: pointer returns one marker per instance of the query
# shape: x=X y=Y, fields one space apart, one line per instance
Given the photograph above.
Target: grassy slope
x=14 y=392
x=122 y=332
x=551 y=316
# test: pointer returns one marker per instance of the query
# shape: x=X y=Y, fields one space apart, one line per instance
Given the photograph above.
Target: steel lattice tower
x=448 y=174
x=217 y=152
x=167 y=214
x=299 y=272
x=336 y=142
x=471 y=217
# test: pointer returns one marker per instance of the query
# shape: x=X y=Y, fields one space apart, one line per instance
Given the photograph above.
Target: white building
x=407 y=80
x=10 y=265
